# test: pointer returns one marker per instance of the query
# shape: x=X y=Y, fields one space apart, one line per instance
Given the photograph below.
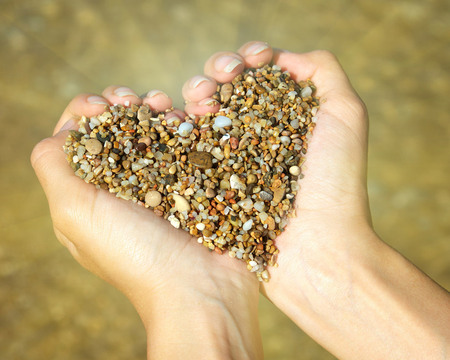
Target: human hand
x=190 y=300
x=336 y=279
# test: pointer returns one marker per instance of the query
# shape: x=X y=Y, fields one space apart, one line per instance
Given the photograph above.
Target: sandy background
x=395 y=52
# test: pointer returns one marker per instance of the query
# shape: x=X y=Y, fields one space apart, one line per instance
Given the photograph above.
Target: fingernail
x=227 y=63
x=208 y=102
x=197 y=80
x=68 y=125
x=124 y=91
x=153 y=93
x=97 y=100
x=255 y=49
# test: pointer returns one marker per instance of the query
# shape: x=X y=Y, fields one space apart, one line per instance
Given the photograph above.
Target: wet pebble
x=201 y=159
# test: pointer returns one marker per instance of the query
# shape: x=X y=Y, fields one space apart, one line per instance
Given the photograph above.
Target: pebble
x=226 y=91
x=210 y=193
x=222 y=121
x=295 y=124
x=181 y=204
x=278 y=195
x=237 y=183
x=185 y=129
x=247 y=225
x=306 y=92
x=251 y=179
x=174 y=221
x=201 y=159
x=265 y=195
x=200 y=226
x=94 y=146
x=246 y=204
x=295 y=170
x=153 y=198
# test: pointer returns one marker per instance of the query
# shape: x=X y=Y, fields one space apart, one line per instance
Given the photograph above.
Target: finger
x=256 y=54
x=173 y=115
x=198 y=88
x=208 y=105
x=121 y=95
x=224 y=66
x=83 y=104
x=157 y=100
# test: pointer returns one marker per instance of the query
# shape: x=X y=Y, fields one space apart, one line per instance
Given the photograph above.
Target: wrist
x=211 y=318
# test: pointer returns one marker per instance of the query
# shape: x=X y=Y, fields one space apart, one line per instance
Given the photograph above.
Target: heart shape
x=228 y=178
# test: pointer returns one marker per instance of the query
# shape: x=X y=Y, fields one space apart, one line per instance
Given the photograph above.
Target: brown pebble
x=201 y=159
x=278 y=195
x=234 y=143
x=94 y=146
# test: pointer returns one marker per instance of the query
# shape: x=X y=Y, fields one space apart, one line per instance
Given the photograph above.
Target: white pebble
x=259 y=206
x=247 y=225
x=200 y=226
x=174 y=221
x=263 y=216
x=246 y=204
x=237 y=183
x=307 y=91
x=295 y=170
x=185 y=129
x=222 y=121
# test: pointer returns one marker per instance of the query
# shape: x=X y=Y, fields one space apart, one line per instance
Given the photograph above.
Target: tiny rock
x=153 y=198
x=295 y=170
x=237 y=183
x=201 y=159
x=181 y=204
x=94 y=146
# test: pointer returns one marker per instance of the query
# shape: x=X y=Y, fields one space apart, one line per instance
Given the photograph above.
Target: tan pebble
x=173 y=169
x=270 y=223
x=278 y=195
x=225 y=92
x=181 y=204
x=295 y=170
x=189 y=192
x=227 y=151
x=146 y=140
x=251 y=179
x=153 y=198
x=126 y=164
x=210 y=193
x=94 y=146
x=229 y=194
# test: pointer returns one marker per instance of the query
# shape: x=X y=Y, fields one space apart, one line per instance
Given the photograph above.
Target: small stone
x=278 y=195
x=237 y=183
x=144 y=113
x=295 y=124
x=251 y=179
x=201 y=159
x=185 y=129
x=224 y=184
x=173 y=169
x=210 y=193
x=295 y=170
x=189 y=192
x=94 y=146
x=226 y=91
x=222 y=121
x=306 y=92
x=181 y=204
x=126 y=164
x=246 y=204
x=217 y=153
x=153 y=198
x=270 y=223
x=247 y=225
x=174 y=221
x=234 y=143
x=265 y=195
x=200 y=226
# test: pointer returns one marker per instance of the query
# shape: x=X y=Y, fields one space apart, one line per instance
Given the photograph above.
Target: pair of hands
x=163 y=271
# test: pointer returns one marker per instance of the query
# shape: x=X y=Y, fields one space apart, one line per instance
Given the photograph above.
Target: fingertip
x=224 y=66
x=256 y=53
x=198 y=88
x=202 y=107
x=121 y=95
x=157 y=100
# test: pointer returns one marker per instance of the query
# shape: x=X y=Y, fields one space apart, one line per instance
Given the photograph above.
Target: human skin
x=336 y=279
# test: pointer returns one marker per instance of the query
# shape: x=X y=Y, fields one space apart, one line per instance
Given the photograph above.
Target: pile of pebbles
x=228 y=178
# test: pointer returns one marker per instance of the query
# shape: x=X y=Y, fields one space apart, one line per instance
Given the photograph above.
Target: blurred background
x=396 y=53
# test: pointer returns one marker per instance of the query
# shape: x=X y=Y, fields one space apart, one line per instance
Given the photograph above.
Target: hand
x=336 y=279
x=191 y=301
